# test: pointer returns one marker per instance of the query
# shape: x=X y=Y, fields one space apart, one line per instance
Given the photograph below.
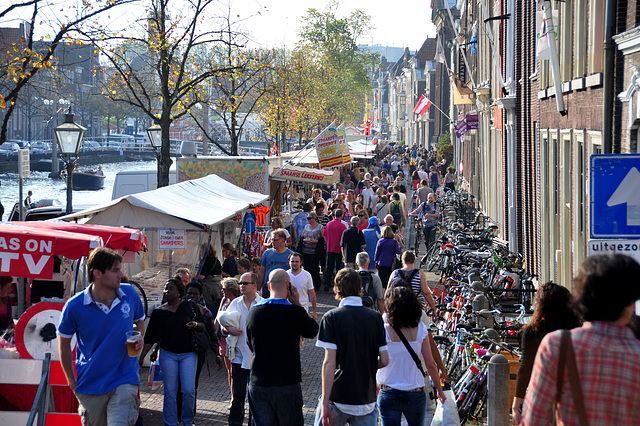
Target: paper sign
x=172 y=239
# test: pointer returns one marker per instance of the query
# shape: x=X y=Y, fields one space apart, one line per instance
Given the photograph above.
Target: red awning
x=28 y=251
x=115 y=238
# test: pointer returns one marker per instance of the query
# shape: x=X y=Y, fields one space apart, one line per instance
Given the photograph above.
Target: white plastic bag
x=446 y=414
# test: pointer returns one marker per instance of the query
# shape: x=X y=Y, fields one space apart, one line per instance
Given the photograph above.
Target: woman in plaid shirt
x=607 y=353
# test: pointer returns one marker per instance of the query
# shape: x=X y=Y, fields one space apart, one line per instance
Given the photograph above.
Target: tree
x=27 y=55
x=344 y=79
x=167 y=78
x=232 y=96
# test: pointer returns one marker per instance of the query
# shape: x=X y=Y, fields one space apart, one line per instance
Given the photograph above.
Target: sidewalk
x=213 y=393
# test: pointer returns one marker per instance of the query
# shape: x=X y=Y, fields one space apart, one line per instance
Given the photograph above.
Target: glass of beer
x=132 y=339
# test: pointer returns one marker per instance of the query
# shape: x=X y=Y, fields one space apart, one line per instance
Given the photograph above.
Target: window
x=580 y=48
x=596 y=35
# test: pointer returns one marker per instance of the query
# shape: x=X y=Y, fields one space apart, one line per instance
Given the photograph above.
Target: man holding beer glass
x=103 y=317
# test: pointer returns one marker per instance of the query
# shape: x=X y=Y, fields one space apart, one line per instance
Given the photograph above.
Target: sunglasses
x=360 y=215
x=245 y=283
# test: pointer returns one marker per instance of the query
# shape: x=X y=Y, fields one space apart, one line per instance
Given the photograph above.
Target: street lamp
x=155 y=137
x=69 y=136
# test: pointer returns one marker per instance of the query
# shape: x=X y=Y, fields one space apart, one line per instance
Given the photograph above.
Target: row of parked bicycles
x=483 y=293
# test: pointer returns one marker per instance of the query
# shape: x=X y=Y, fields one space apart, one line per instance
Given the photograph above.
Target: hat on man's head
x=373 y=223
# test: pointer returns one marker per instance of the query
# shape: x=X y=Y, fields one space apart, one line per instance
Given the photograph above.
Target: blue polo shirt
x=102 y=362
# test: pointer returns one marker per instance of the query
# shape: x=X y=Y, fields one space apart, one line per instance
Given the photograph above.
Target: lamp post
x=155 y=137
x=69 y=136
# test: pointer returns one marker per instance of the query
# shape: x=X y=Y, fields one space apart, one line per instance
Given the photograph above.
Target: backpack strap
x=413 y=274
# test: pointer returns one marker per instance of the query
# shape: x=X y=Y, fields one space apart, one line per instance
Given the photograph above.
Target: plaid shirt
x=608 y=359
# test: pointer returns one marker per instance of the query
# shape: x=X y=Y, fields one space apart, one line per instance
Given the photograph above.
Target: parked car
x=9 y=148
x=40 y=147
x=88 y=146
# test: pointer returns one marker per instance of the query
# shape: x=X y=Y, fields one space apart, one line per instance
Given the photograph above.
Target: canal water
x=43 y=186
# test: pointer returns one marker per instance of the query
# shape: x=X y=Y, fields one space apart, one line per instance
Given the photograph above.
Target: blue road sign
x=615 y=196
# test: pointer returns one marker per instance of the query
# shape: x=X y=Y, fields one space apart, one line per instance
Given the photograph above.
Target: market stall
x=178 y=221
x=35 y=250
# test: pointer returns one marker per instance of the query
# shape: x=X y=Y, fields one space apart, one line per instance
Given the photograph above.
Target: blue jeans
x=338 y=418
x=276 y=405
x=180 y=367
x=394 y=403
x=429 y=235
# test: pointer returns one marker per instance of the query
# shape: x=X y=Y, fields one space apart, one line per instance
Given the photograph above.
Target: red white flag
x=422 y=106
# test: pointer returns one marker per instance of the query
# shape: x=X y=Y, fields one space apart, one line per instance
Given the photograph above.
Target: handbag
x=200 y=339
x=155 y=376
x=300 y=244
x=432 y=394
x=567 y=359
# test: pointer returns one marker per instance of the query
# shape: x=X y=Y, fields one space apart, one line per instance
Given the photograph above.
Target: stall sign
x=24 y=256
x=172 y=239
x=305 y=174
x=344 y=145
x=328 y=148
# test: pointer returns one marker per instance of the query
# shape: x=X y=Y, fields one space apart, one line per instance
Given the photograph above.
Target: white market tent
x=189 y=205
x=358 y=149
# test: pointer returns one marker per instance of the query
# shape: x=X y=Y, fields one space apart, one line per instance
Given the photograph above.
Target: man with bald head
x=274 y=328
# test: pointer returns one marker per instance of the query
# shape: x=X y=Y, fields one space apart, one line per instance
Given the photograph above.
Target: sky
x=403 y=24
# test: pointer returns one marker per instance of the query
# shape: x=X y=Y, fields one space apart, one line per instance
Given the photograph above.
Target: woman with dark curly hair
x=553 y=312
x=401 y=381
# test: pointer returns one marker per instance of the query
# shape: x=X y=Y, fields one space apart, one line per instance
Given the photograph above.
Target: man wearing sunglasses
x=241 y=363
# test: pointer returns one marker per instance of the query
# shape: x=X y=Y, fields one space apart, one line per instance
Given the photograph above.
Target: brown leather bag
x=567 y=358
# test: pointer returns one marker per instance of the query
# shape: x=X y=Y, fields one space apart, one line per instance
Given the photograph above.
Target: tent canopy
x=28 y=251
x=113 y=237
x=358 y=149
x=189 y=205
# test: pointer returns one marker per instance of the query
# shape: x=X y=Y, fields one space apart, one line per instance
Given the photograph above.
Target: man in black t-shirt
x=274 y=328
x=354 y=343
x=352 y=242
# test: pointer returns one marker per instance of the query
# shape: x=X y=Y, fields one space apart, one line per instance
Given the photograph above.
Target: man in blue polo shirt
x=107 y=382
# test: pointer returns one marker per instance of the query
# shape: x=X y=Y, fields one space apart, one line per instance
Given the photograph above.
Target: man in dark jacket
x=352 y=242
x=274 y=328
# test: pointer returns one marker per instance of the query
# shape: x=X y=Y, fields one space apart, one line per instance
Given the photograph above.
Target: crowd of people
x=377 y=343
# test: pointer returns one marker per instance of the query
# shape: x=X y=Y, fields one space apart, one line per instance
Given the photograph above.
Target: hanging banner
x=344 y=145
x=328 y=147
x=461 y=128
x=472 y=121
x=306 y=174
x=461 y=93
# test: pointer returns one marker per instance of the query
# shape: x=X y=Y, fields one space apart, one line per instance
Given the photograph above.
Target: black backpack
x=404 y=281
x=368 y=291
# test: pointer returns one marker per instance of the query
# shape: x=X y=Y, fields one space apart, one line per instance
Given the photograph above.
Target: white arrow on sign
x=629 y=192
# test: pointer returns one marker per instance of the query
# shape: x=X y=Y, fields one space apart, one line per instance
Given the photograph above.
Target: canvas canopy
x=358 y=149
x=190 y=205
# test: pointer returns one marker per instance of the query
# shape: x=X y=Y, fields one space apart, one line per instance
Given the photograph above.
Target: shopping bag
x=155 y=375
x=446 y=414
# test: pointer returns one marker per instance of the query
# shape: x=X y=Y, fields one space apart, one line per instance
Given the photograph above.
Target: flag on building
x=542 y=46
x=422 y=106
x=461 y=93
x=474 y=38
x=439 y=52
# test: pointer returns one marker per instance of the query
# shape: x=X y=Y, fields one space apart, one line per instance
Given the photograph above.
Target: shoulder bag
x=567 y=357
x=199 y=338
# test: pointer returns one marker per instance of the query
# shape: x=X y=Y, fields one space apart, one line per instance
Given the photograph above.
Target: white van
x=136 y=181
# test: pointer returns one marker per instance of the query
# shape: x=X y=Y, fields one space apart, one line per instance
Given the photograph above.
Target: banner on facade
x=461 y=93
x=472 y=121
x=461 y=128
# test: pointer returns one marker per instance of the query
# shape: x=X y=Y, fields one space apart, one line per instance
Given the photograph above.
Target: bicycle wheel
x=143 y=297
x=434 y=260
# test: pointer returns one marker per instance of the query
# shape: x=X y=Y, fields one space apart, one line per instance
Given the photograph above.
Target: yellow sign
x=344 y=146
x=461 y=93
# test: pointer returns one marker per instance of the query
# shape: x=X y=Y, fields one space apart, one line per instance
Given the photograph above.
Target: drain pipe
x=608 y=76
